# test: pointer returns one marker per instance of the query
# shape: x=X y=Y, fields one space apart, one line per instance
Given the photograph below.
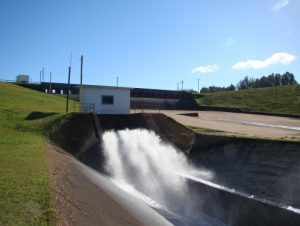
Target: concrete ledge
x=238 y=110
x=192 y=114
x=237 y=210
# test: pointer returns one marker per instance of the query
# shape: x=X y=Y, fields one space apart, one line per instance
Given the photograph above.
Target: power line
x=76 y=62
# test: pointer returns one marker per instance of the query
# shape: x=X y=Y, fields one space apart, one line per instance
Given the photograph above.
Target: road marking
x=264 y=124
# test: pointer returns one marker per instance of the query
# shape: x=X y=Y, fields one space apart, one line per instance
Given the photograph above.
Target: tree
x=230 y=88
x=204 y=90
x=271 y=79
x=249 y=82
x=277 y=79
x=267 y=81
x=290 y=78
x=285 y=79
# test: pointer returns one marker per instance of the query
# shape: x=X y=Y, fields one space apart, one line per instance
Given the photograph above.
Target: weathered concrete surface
x=77 y=200
x=267 y=169
x=237 y=123
x=80 y=135
x=236 y=210
x=239 y=110
x=165 y=127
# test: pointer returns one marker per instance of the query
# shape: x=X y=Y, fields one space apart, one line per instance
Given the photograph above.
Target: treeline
x=267 y=81
x=249 y=82
x=214 y=89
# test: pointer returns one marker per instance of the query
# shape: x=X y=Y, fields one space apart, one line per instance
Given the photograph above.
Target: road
x=247 y=124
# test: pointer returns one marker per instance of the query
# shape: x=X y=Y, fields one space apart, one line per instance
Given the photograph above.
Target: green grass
x=212 y=132
x=282 y=100
x=24 y=183
x=205 y=131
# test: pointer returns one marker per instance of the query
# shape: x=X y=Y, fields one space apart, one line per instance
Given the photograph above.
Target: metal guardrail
x=84 y=107
x=10 y=81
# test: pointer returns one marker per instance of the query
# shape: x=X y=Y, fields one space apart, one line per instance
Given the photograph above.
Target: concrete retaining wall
x=237 y=210
x=267 y=169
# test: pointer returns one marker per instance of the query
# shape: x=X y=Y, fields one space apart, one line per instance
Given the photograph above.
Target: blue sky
x=150 y=44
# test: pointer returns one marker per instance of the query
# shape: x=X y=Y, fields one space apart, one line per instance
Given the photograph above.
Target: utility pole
x=68 y=93
x=117 y=81
x=81 y=66
x=50 y=91
x=43 y=75
x=198 y=85
x=181 y=85
x=40 y=76
x=71 y=59
x=177 y=86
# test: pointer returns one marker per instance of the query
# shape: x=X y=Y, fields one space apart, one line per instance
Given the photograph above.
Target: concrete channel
x=256 y=182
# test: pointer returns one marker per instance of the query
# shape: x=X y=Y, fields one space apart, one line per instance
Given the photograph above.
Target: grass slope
x=283 y=99
x=24 y=189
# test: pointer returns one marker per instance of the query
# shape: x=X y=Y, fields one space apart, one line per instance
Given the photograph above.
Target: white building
x=22 y=79
x=105 y=99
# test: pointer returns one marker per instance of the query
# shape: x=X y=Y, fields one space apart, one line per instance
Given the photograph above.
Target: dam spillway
x=235 y=163
x=142 y=164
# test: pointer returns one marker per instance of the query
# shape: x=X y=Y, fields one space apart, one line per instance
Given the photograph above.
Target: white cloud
x=206 y=69
x=279 y=5
x=276 y=58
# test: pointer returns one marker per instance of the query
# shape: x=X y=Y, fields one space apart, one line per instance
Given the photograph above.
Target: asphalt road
x=246 y=124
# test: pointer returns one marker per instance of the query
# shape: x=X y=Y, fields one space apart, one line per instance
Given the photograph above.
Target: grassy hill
x=24 y=188
x=282 y=99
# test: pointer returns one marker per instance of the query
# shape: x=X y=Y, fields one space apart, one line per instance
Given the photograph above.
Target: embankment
x=262 y=169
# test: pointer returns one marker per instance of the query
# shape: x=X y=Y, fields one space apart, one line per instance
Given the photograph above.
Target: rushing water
x=141 y=164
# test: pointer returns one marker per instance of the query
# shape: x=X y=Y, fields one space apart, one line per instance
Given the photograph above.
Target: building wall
x=22 y=79
x=93 y=95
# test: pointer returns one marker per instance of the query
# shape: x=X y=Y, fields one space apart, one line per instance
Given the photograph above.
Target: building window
x=108 y=100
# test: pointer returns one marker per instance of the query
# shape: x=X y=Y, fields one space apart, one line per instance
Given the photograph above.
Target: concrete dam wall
x=263 y=168
x=256 y=182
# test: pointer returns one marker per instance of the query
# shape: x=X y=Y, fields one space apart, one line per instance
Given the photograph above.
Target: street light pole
x=81 y=66
x=198 y=85
x=68 y=93
x=50 y=91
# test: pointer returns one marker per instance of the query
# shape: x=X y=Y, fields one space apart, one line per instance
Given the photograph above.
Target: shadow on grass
x=38 y=115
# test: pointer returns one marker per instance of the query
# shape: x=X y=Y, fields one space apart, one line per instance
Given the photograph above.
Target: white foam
x=146 y=167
